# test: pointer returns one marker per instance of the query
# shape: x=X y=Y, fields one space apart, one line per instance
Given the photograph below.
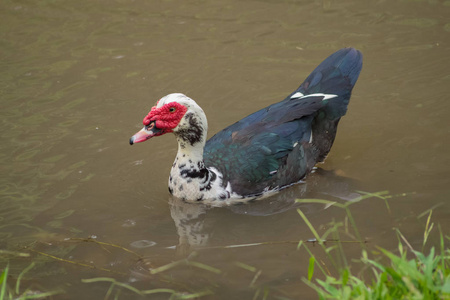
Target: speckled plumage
x=272 y=148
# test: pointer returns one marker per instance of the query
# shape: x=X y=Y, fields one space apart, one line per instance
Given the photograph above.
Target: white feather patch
x=297 y=95
x=325 y=96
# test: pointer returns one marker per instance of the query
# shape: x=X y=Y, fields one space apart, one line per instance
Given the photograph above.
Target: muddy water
x=77 y=77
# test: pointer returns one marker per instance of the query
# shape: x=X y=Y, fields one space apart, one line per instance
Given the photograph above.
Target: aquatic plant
x=15 y=293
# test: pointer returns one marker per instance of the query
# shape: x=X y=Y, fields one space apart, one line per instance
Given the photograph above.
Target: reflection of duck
x=264 y=152
x=196 y=222
x=189 y=220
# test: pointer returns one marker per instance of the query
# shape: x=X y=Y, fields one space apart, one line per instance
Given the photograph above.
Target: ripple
x=142 y=244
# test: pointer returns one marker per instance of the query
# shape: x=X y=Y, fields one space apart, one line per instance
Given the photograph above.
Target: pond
x=78 y=77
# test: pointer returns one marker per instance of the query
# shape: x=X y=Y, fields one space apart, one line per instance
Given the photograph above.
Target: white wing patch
x=299 y=95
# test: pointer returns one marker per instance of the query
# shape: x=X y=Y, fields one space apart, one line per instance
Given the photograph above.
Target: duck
x=269 y=150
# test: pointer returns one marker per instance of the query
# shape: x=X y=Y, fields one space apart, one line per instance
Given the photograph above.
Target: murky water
x=77 y=78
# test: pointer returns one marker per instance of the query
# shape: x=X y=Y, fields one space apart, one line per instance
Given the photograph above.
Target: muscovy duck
x=264 y=152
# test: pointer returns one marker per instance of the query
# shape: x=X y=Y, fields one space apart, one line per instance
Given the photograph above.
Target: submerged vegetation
x=405 y=273
x=7 y=293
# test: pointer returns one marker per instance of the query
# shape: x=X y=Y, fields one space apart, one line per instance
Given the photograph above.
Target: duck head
x=178 y=114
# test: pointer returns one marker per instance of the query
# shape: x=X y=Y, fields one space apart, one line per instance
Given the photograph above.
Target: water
x=77 y=78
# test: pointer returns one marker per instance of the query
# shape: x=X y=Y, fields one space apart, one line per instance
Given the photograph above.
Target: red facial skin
x=166 y=117
x=160 y=121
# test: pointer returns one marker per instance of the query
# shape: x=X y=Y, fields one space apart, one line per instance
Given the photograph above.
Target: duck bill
x=146 y=133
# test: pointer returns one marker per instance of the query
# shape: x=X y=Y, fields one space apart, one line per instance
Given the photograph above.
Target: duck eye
x=172 y=109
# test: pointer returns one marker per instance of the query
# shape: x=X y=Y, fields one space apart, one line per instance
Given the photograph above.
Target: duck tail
x=334 y=78
x=336 y=75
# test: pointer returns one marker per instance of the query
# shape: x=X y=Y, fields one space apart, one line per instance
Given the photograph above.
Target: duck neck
x=189 y=152
x=189 y=178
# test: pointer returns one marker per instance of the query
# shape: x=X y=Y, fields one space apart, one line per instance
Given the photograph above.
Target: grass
x=423 y=277
x=407 y=274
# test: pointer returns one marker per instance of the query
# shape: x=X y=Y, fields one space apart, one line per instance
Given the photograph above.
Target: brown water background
x=77 y=77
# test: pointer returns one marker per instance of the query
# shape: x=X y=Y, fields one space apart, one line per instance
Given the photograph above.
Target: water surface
x=77 y=78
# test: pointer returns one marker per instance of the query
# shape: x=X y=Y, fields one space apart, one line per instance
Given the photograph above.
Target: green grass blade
x=193 y=296
x=252 y=283
x=203 y=266
x=300 y=243
x=39 y=296
x=110 y=290
x=442 y=246
x=320 y=201
x=19 y=278
x=427 y=230
x=114 y=282
x=367 y=195
x=3 y=279
x=312 y=260
x=156 y=291
x=310 y=226
x=355 y=228
x=166 y=267
x=345 y=276
x=312 y=255
x=430 y=209
x=15 y=253
x=98 y=279
x=245 y=266
x=256 y=295
x=116 y=296
x=316 y=235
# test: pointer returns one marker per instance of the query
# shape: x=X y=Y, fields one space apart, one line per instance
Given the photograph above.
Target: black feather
x=271 y=148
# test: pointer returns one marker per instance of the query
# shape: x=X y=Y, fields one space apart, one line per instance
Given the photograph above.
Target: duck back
x=280 y=144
